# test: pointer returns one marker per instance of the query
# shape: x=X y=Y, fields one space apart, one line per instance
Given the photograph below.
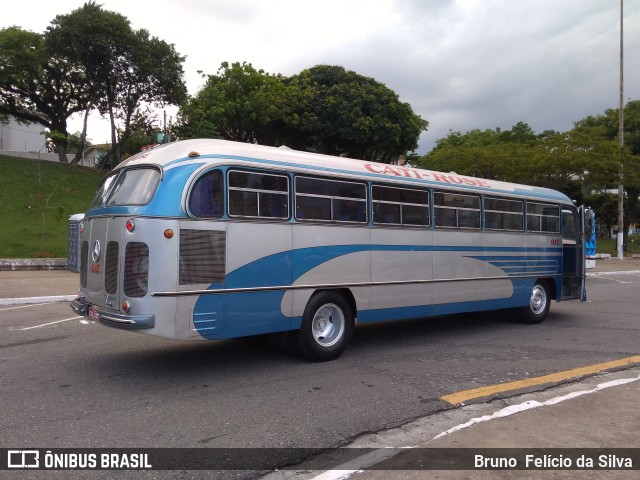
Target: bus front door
x=573 y=254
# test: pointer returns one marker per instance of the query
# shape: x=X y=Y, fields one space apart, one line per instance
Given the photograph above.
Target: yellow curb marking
x=466 y=395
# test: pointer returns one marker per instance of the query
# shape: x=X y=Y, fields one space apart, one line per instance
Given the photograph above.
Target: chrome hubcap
x=538 y=300
x=328 y=325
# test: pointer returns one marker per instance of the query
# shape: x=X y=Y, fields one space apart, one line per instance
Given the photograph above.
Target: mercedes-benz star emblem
x=96 y=251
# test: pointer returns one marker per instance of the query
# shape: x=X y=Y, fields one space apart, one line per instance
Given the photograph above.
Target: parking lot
x=70 y=382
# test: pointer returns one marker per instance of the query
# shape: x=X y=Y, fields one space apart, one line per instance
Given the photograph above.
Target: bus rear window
x=134 y=187
x=102 y=193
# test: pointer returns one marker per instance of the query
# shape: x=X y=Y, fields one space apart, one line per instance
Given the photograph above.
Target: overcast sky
x=461 y=64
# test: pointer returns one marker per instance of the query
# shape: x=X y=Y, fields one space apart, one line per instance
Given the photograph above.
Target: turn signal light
x=168 y=233
x=125 y=306
x=130 y=225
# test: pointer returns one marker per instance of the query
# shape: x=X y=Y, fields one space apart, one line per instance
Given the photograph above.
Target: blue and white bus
x=210 y=239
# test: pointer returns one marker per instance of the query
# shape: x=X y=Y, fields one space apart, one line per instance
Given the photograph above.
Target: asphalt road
x=78 y=384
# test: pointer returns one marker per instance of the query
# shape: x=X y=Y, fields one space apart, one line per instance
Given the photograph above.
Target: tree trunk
x=83 y=137
x=62 y=152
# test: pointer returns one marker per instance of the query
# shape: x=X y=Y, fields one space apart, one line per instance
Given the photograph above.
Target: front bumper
x=111 y=318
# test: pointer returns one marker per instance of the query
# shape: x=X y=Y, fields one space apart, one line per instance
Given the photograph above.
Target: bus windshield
x=129 y=187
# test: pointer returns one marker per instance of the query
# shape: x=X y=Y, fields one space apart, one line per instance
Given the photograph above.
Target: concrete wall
x=50 y=157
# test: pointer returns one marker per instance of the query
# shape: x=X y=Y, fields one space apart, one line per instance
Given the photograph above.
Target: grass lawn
x=609 y=245
x=36 y=200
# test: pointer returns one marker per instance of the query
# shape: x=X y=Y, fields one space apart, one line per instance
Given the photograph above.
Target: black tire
x=327 y=326
x=539 y=304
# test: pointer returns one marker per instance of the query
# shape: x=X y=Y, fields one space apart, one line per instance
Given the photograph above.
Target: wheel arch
x=327 y=325
x=551 y=285
x=348 y=296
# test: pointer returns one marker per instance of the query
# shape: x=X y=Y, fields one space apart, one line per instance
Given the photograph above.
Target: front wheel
x=327 y=325
x=539 y=304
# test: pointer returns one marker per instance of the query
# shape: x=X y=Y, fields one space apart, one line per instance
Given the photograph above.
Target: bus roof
x=213 y=151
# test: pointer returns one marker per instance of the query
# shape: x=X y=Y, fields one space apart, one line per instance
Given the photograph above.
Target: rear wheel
x=539 y=304
x=327 y=325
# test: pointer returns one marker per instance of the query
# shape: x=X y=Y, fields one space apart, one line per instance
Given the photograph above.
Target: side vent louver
x=202 y=256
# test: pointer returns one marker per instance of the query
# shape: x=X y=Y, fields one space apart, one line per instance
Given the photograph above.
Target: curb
x=13 y=264
x=619 y=272
x=34 y=300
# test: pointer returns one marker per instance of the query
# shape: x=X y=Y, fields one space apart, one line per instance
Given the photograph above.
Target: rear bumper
x=113 y=319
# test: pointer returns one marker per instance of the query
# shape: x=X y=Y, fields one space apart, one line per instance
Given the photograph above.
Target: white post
x=620 y=238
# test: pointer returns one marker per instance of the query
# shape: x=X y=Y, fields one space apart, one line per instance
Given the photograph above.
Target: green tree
x=348 y=114
x=323 y=109
x=597 y=136
x=239 y=103
x=76 y=144
x=517 y=155
x=94 y=39
x=126 y=70
x=152 y=74
x=38 y=85
x=137 y=140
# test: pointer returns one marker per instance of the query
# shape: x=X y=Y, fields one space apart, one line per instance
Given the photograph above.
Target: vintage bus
x=211 y=239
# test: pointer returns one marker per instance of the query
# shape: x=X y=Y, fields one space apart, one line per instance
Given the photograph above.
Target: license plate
x=93 y=313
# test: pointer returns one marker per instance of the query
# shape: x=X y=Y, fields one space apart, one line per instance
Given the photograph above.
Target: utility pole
x=620 y=238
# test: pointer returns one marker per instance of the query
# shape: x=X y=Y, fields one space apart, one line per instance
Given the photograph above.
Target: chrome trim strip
x=113 y=319
x=218 y=291
x=110 y=318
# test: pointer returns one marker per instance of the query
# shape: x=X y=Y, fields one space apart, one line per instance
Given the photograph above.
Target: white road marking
x=25 y=306
x=50 y=323
x=612 y=279
x=621 y=272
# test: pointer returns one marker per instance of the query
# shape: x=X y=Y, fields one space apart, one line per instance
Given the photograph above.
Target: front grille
x=84 y=263
x=202 y=256
x=136 y=269
x=111 y=268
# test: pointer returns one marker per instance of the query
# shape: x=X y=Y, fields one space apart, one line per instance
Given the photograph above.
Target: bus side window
x=503 y=214
x=206 y=196
x=330 y=200
x=543 y=218
x=456 y=210
x=258 y=195
x=400 y=206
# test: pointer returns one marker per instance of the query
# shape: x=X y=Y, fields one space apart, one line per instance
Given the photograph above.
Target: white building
x=16 y=137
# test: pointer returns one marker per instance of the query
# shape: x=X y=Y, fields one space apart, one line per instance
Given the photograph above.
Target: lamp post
x=620 y=238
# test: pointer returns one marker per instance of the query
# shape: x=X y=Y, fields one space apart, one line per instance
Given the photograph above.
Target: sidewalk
x=615 y=265
x=588 y=418
x=37 y=286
